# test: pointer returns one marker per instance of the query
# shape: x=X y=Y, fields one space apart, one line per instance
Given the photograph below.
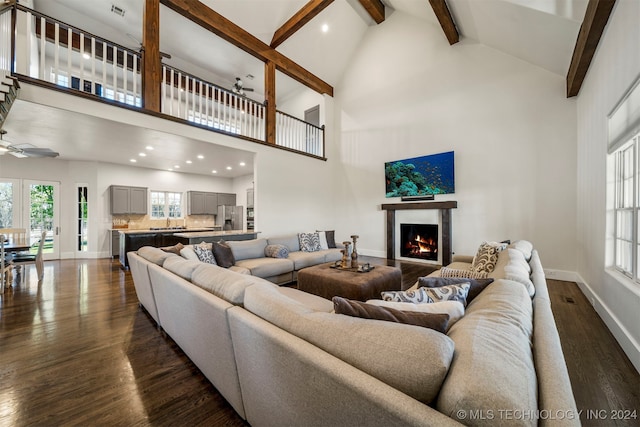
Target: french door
x=41 y=211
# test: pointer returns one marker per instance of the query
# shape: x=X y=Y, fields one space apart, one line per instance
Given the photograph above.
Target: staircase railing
x=49 y=52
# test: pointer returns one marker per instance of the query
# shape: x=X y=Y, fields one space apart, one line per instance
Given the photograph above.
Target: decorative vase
x=345 y=255
x=354 y=253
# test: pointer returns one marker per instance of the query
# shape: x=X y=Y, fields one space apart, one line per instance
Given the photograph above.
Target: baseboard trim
x=567 y=276
x=629 y=345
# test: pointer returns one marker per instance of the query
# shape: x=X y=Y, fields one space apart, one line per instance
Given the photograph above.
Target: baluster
x=43 y=41
x=179 y=94
x=125 y=83
x=135 y=79
x=206 y=102
x=81 y=83
x=93 y=65
x=104 y=68
x=163 y=90
x=56 y=50
x=69 y=53
x=200 y=101
x=171 y=91
x=114 y=67
x=225 y=97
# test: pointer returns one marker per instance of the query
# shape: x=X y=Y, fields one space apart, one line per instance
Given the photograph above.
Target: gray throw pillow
x=224 y=255
x=477 y=285
x=276 y=251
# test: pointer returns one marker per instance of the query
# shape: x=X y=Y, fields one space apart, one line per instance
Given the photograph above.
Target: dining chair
x=5 y=264
x=20 y=260
x=15 y=234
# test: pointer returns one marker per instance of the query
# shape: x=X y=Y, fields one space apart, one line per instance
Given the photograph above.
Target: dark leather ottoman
x=327 y=282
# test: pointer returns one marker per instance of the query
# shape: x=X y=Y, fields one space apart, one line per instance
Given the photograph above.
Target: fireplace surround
x=444 y=209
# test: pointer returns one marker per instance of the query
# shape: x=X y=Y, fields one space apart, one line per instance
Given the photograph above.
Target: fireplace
x=419 y=241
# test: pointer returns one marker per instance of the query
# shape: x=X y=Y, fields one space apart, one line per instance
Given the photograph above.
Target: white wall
x=512 y=130
x=614 y=68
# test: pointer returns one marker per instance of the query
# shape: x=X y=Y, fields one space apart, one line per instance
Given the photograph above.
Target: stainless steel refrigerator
x=230 y=217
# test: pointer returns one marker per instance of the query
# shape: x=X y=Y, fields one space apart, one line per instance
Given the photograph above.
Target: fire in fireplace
x=419 y=241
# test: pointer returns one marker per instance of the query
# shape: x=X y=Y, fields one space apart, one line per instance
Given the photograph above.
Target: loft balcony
x=44 y=51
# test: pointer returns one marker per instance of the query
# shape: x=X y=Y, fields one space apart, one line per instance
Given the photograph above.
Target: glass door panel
x=42 y=212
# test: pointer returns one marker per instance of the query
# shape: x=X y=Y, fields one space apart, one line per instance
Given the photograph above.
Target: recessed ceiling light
x=148 y=147
x=142 y=154
x=214 y=171
x=200 y=156
x=325 y=28
x=170 y=169
x=176 y=166
x=132 y=160
x=86 y=55
x=242 y=163
x=188 y=162
x=229 y=168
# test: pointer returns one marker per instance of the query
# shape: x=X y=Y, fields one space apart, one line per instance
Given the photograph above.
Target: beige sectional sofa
x=282 y=358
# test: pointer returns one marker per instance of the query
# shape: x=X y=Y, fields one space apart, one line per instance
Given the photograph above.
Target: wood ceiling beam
x=297 y=21
x=227 y=30
x=445 y=19
x=375 y=9
x=595 y=19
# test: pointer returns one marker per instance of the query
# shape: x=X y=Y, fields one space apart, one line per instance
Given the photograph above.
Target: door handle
x=57 y=230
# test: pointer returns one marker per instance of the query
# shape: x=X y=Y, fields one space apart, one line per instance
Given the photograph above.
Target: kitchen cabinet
x=202 y=203
x=128 y=200
x=226 y=199
x=250 y=197
x=115 y=243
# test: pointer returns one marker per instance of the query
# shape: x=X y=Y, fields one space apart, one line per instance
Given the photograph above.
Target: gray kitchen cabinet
x=202 y=203
x=128 y=200
x=249 y=197
x=226 y=199
x=115 y=243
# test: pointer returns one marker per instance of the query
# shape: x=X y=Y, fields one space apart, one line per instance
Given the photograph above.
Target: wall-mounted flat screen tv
x=420 y=176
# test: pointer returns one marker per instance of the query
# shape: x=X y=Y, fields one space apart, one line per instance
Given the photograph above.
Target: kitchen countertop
x=166 y=230
x=192 y=235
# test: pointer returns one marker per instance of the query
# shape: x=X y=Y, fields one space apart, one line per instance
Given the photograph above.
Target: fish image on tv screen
x=420 y=176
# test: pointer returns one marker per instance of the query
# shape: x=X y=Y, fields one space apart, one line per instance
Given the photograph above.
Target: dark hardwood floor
x=77 y=350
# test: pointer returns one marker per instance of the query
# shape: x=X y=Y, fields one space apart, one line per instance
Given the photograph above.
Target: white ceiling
x=542 y=32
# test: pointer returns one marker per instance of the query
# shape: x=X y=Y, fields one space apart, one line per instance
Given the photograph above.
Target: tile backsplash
x=144 y=222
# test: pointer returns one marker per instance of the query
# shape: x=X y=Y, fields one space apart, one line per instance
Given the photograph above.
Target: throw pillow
x=204 y=254
x=477 y=285
x=174 y=249
x=223 y=254
x=469 y=274
x=331 y=238
x=188 y=253
x=309 y=242
x=487 y=256
x=323 y=239
x=276 y=251
x=419 y=296
x=435 y=321
x=454 y=309
x=449 y=293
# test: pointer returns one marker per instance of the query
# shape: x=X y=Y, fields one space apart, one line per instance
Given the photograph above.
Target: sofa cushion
x=309 y=242
x=247 y=249
x=266 y=267
x=154 y=255
x=181 y=267
x=290 y=241
x=314 y=302
x=523 y=246
x=276 y=251
x=188 y=253
x=224 y=283
x=436 y=321
x=513 y=266
x=331 y=255
x=493 y=368
x=411 y=359
x=454 y=309
x=224 y=254
x=306 y=259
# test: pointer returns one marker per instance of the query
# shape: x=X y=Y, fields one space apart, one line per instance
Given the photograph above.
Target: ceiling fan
x=24 y=150
x=141 y=47
x=239 y=89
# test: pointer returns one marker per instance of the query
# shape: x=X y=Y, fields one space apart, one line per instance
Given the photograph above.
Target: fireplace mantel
x=445 y=219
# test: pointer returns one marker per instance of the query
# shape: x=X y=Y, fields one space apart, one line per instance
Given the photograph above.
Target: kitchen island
x=193 y=238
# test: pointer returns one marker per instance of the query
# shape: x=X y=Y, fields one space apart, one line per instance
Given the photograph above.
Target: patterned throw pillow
x=204 y=253
x=309 y=242
x=276 y=251
x=487 y=256
x=449 y=293
x=419 y=296
x=467 y=274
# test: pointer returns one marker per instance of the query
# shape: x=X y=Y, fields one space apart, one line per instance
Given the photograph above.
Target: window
x=83 y=219
x=626 y=207
x=165 y=204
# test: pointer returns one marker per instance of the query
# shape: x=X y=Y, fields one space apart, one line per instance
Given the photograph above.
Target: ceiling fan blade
x=38 y=152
